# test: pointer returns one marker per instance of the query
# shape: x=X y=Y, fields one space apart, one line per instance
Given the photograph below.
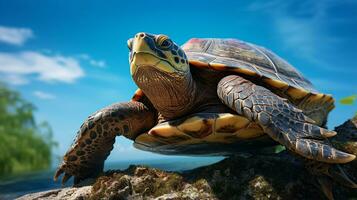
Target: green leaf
x=279 y=148
x=350 y=100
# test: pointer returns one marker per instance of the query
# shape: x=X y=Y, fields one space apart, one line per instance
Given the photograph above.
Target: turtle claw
x=328 y=133
x=58 y=172
x=78 y=171
x=320 y=150
x=65 y=178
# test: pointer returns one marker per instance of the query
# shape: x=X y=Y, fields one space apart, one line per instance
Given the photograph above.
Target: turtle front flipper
x=282 y=121
x=95 y=139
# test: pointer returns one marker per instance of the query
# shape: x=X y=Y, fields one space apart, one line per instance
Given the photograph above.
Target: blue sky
x=70 y=57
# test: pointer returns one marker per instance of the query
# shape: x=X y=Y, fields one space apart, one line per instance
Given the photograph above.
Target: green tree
x=24 y=144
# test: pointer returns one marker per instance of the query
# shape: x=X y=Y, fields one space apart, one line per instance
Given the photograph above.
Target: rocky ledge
x=276 y=176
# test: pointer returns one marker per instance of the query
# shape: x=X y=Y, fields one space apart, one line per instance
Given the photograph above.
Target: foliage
x=350 y=100
x=24 y=144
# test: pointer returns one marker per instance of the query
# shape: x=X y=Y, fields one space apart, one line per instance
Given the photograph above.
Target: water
x=19 y=185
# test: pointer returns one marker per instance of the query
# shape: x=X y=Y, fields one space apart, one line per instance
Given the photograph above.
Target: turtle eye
x=163 y=41
x=130 y=43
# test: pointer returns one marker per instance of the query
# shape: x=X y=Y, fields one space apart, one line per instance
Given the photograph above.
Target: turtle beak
x=142 y=59
x=144 y=56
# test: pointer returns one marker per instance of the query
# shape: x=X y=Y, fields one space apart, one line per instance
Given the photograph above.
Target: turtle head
x=161 y=70
x=158 y=52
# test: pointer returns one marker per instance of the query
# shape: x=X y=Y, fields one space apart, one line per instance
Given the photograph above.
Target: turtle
x=210 y=96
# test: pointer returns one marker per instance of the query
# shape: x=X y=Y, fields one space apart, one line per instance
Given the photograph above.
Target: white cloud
x=84 y=56
x=93 y=62
x=44 y=95
x=97 y=63
x=20 y=67
x=14 y=79
x=15 y=36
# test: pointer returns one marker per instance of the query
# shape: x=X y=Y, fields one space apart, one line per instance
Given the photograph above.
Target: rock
x=271 y=176
x=69 y=193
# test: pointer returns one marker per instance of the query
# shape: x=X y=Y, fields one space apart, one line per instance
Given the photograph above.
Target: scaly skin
x=97 y=134
x=280 y=120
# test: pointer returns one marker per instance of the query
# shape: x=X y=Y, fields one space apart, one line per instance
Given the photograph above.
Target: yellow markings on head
x=159 y=39
x=296 y=93
x=165 y=66
x=143 y=59
x=158 y=51
x=139 y=44
x=276 y=83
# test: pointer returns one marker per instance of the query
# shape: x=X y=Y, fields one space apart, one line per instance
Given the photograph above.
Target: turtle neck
x=171 y=94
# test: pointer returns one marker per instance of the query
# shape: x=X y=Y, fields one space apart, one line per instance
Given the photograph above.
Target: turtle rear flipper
x=95 y=139
x=280 y=120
